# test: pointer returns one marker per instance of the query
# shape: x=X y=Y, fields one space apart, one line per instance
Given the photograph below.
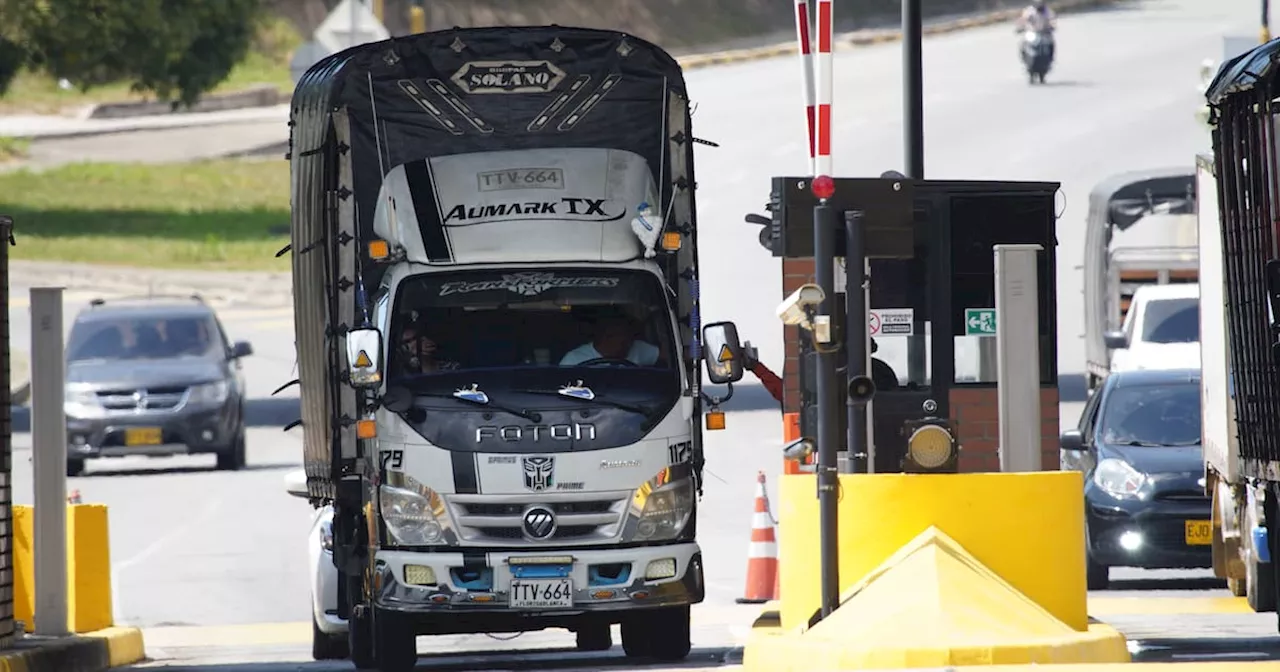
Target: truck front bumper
x=605 y=584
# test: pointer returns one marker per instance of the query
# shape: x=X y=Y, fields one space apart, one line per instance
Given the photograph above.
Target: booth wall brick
x=88 y=567
x=975 y=410
x=982 y=512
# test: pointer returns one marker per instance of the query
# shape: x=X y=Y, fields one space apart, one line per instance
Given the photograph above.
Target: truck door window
x=1171 y=321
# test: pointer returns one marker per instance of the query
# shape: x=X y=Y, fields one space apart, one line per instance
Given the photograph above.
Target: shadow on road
x=1157 y=585
x=1205 y=649
x=538 y=659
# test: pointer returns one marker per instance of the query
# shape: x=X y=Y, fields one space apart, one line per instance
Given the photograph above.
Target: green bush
x=176 y=48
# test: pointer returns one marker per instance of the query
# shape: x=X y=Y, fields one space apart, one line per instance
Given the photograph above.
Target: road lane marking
x=210 y=510
x=1117 y=606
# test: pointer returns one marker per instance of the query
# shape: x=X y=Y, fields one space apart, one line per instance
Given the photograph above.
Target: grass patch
x=13 y=149
x=210 y=215
x=266 y=63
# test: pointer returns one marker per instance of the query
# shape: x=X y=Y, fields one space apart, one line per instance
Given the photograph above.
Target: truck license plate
x=142 y=436
x=1199 y=533
x=541 y=594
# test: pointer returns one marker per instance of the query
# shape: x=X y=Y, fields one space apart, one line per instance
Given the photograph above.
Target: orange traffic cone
x=762 y=554
x=74 y=497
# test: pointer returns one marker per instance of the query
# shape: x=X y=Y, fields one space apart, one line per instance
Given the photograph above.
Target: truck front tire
x=395 y=646
x=595 y=637
x=661 y=634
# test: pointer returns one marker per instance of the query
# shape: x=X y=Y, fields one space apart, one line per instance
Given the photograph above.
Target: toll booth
x=932 y=304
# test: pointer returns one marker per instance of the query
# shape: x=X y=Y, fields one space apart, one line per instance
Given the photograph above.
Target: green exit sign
x=979 y=321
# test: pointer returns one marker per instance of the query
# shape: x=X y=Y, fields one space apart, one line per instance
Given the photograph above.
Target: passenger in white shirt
x=614 y=339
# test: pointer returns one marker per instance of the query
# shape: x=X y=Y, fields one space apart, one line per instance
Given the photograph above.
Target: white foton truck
x=499 y=337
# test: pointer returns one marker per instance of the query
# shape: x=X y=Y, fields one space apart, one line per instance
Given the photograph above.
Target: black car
x=153 y=377
x=1138 y=444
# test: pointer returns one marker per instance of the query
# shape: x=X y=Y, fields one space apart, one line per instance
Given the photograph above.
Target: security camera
x=799 y=449
x=792 y=310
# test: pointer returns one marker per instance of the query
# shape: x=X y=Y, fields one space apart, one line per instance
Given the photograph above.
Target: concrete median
x=97 y=643
x=955 y=574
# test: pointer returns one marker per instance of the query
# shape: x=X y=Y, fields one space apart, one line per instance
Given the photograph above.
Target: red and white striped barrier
x=823 y=76
x=806 y=66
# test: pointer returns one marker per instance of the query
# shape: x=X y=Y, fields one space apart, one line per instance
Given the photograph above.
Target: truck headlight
x=80 y=401
x=1118 y=479
x=210 y=393
x=326 y=534
x=662 y=506
x=414 y=513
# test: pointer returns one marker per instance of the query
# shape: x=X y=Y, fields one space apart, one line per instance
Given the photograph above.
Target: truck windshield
x=1171 y=321
x=1152 y=415
x=579 y=320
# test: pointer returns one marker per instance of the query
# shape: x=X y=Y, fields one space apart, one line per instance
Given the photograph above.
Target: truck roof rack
x=141 y=298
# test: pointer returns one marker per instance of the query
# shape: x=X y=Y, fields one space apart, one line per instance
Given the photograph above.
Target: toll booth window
x=898 y=324
x=978 y=223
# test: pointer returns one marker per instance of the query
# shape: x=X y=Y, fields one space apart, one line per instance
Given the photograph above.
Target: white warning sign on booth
x=891 y=321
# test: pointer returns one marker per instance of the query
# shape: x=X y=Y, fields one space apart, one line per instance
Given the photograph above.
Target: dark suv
x=155 y=377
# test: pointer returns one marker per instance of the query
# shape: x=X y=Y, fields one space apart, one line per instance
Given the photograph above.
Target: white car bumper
x=611 y=580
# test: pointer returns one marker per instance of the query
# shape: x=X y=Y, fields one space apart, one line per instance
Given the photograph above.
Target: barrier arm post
x=1018 y=356
x=49 y=455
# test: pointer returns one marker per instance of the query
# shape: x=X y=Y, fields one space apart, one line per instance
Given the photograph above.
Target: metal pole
x=913 y=87
x=49 y=454
x=1018 y=346
x=355 y=22
x=1264 y=35
x=855 y=337
x=824 y=243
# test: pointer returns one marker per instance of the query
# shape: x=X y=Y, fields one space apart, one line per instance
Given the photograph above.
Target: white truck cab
x=1161 y=330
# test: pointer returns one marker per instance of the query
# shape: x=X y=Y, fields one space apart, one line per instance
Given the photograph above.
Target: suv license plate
x=1198 y=533
x=142 y=436
x=541 y=594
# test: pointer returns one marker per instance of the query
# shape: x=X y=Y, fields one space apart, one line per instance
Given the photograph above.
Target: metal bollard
x=49 y=454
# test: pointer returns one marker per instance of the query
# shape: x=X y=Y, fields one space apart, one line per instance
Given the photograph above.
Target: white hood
x=1157 y=356
x=541 y=205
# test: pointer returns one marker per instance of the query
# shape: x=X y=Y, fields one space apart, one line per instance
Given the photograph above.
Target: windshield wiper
x=1149 y=444
x=583 y=393
x=473 y=395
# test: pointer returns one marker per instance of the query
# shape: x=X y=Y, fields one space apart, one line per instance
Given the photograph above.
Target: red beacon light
x=823 y=187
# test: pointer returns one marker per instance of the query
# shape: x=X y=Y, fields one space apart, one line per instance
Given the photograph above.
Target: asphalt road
x=226 y=549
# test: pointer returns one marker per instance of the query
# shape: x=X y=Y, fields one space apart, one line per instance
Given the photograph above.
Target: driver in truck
x=418 y=352
x=613 y=338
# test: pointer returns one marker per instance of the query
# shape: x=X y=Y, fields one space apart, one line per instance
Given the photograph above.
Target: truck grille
x=581 y=518
x=147 y=399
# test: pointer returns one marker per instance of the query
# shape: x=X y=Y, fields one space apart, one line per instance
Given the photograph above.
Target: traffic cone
x=74 y=497
x=762 y=554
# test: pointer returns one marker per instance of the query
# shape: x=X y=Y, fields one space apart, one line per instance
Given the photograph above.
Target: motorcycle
x=1037 y=54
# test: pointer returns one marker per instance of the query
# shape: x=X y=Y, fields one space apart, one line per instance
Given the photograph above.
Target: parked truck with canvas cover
x=1240 y=355
x=499 y=338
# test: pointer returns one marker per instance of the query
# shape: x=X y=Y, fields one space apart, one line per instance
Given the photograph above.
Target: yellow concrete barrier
x=1028 y=528
x=931 y=604
x=956 y=569
x=88 y=567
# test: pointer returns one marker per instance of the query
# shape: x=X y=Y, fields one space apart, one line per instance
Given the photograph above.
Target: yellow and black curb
x=90 y=652
x=870 y=37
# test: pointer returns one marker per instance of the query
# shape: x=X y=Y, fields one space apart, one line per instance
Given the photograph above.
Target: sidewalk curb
x=260 y=95
x=871 y=37
x=91 y=652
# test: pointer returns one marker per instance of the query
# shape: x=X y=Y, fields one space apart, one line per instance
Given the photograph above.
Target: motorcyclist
x=1037 y=17
x=1040 y=18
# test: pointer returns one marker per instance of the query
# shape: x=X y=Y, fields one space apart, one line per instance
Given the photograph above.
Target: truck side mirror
x=295 y=483
x=1071 y=440
x=1115 y=340
x=723 y=352
x=364 y=357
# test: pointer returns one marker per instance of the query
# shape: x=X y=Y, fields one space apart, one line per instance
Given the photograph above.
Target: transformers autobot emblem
x=539 y=472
